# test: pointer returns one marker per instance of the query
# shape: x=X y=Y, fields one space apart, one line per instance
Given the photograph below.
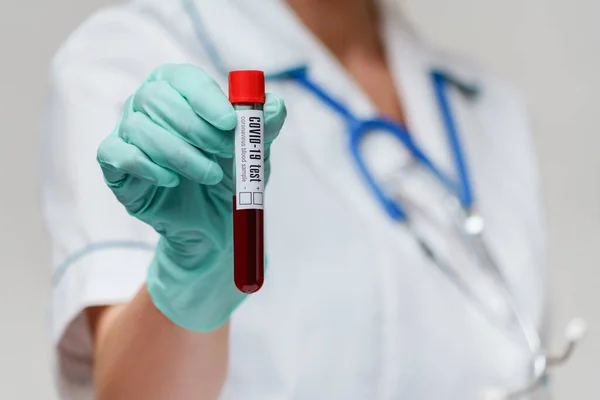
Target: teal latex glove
x=169 y=162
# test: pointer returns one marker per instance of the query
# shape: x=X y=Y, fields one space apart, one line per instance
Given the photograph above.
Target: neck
x=348 y=28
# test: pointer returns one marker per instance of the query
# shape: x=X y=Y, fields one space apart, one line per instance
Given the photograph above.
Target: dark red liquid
x=248 y=249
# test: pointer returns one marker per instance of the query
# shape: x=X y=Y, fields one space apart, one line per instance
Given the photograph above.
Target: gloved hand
x=169 y=162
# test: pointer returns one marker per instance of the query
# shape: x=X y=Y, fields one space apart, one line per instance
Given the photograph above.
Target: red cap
x=247 y=87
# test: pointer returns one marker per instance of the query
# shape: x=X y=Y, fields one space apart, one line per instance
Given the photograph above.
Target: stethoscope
x=467 y=222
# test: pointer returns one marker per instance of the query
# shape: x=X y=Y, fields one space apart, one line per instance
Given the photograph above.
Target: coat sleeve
x=99 y=252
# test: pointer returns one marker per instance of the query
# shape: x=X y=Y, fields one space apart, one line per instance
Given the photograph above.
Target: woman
x=354 y=306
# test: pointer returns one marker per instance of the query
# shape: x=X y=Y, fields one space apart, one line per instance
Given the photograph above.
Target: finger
x=201 y=91
x=119 y=160
x=275 y=114
x=167 y=108
x=168 y=150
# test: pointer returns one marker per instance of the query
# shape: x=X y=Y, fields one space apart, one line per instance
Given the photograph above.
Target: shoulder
x=135 y=38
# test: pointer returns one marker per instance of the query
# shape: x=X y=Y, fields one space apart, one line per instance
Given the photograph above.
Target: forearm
x=140 y=354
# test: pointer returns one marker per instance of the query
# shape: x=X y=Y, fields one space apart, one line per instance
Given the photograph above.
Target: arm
x=179 y=352
x=140 y=354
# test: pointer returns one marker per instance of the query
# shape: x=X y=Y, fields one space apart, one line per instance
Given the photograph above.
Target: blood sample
x=247 y=95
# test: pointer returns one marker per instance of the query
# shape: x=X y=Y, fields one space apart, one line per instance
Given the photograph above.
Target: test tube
x=247 y=95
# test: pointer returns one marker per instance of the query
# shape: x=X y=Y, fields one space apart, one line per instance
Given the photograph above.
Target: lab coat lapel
x=324 y=137
x=412 y=62
x=488 y=136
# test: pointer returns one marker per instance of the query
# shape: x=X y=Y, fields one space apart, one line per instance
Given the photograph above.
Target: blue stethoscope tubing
x=359 y=128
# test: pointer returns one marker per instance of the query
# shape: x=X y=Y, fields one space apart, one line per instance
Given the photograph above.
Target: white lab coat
x=351 y=308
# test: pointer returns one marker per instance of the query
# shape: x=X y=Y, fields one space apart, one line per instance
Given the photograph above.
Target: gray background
x=551 y=48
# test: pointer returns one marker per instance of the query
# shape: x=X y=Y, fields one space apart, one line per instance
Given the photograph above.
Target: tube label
x=249 y=160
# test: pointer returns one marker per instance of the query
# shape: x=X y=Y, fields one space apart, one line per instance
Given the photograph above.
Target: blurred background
x=550 y=48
